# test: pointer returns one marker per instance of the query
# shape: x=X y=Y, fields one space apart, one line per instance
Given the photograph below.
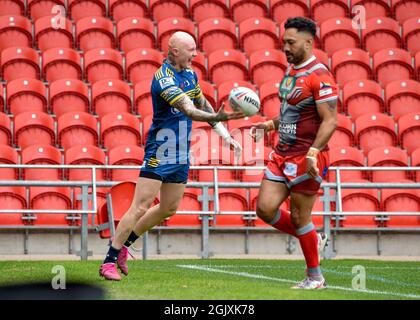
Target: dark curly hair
x=302 y=24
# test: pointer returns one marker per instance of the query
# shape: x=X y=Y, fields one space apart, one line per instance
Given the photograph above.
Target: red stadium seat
x=26 y=95
x=164 y=9
x=201 y=10
x=322 y=56
x=94 y=32
x=405 y=9
x=120 y=129
x=61 y=63
x=125 y=155
x=77 y=128
x=12 y=7
x=322 y=10
x=41 y=155
x=111 y=96
x=208 y=90
x=397 y=200
x=5 y=131
x=141 y=64
x=402 y=97
x=227 y=65
x=199 y=66
x=103 y=64
x=360 y=97
x=168 y=26
x=217 y=33
x=258 y=34
x=143 y=99
x=50 y=198
x=281 y=10
x=134 y=33
x=375 y=130
x=392 y=64
x=68 y=95
x=381 y=33
x=409 y=131
x=351 y=64
x=411 y=35
x=417 y=65
x=2 y=102
x=244 y=9
x=346 y=157
x=122 y=195
x=51 y=32
x=360 y=200
x=100 y=201
x=373 y=8
x=267 y=65
x=230 y=200
x=343 y=135
x=255 y=154
x=387 y=157
x=8 y=155
x=224 y=89
x=415 y=162
x=79 y=9
x=12 y=198
x=269 y=97
x=189 y=202
x=84 y=155
x=15 y=31
x=41 y=8
x=337 y=34
x=34 y=128
x=122 y=9
x=19 y=62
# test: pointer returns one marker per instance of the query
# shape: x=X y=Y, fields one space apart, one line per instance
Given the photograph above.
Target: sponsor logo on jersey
x=166 y=82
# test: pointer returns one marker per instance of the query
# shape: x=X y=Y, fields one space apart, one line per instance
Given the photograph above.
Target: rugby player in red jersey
x=307 y=120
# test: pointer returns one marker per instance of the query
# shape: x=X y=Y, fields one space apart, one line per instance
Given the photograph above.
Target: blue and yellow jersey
x=168 y=139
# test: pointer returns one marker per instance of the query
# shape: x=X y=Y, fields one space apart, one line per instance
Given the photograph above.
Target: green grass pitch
x=248 y=279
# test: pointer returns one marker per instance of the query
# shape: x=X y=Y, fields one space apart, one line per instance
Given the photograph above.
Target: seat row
x=213 y=34
x=239 y=10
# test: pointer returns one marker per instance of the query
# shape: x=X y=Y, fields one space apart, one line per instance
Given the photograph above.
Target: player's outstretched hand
x=258 y=130
x=222 y=115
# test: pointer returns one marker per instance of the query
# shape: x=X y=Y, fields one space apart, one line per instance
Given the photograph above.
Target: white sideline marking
x=259 y=276
x=303 y=268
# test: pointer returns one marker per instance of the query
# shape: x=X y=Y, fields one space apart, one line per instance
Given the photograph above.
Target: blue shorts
x=167 y=173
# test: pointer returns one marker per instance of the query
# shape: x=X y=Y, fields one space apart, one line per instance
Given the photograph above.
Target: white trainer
x=311 y=284
x=322 y=242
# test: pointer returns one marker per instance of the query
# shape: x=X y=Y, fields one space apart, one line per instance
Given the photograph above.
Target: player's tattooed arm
x=186 y=106
x=328 y=113
x=203 y=104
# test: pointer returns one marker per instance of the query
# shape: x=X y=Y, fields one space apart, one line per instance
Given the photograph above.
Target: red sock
x=283 y=222
x=309 y=243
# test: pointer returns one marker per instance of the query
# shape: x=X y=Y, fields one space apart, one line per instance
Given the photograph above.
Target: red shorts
x=291 y=170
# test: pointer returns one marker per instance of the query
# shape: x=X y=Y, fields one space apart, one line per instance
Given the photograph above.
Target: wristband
x=221 y=130
x=312 y=153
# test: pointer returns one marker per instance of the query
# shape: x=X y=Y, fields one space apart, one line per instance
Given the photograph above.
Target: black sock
x=131 y=239
x=112 y=255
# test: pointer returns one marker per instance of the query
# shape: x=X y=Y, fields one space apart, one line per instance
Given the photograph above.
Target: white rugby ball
x=245 y=99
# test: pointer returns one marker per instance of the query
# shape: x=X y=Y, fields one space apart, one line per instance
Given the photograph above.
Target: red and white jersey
x=302 y=88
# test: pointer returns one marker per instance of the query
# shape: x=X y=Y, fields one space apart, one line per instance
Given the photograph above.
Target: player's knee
x=139 y=211
x=295 y=218
x=264 y=213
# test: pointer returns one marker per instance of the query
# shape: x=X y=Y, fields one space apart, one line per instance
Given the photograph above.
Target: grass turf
x=228 y=279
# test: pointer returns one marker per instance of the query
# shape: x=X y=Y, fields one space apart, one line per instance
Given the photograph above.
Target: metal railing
x=205 y=214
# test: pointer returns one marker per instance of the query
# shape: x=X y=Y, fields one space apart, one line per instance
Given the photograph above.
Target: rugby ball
x=245 y=99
